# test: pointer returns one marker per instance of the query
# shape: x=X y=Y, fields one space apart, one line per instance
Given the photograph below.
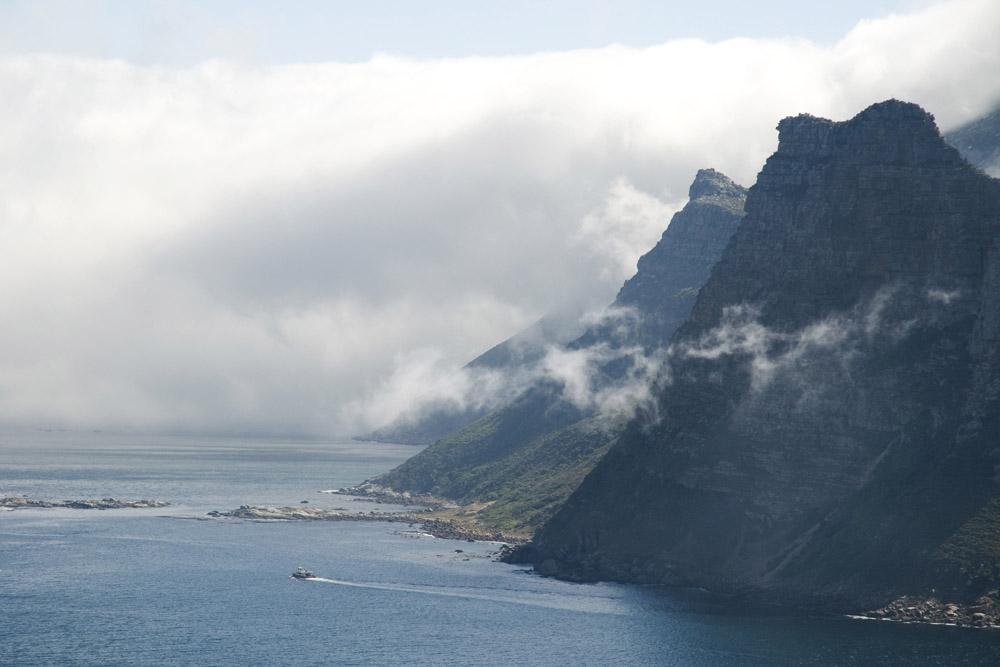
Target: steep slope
x=550 y=436
x=828 y=430
x=661 y=293
x=494 y=376
x=979 y=142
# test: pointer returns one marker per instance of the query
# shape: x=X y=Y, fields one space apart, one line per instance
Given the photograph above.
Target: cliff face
x=668 y=277
x=527 y=457
x=830 y=421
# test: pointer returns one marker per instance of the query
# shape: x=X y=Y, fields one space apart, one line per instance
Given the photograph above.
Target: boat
x=303 y=573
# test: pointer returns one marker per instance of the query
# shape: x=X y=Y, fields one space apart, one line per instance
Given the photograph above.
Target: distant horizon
x=111 y=431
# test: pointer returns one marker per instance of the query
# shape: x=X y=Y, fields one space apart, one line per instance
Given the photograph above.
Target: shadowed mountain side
x=618 y=356
x=979 y=142
x=828 y=433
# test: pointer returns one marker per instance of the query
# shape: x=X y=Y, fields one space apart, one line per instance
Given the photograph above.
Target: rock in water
x=828 y=431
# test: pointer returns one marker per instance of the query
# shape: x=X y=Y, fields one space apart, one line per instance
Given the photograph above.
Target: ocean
x=170 y=586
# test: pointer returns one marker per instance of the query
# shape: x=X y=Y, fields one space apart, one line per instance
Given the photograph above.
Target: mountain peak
x=826 y=430
x=890 y=132
x=711 y=183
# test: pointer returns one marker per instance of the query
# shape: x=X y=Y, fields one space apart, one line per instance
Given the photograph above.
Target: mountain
x=662 y=292
x=495 y=376
x=979 y=142
x=660 y=295
x=827 y=429
x=504 y=364
x=521 y=461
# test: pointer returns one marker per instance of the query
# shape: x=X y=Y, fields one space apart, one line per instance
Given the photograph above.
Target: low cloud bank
x=307 y=249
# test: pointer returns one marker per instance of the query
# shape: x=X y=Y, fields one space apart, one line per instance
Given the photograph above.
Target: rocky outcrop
x=829 y=419
x=371 y=492
x=982 y=612
x=269 y=513
x=525 y=458
x=102 y=504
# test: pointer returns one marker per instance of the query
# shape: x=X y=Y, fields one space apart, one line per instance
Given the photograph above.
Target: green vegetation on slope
x=975 y=546
x=518 y=464
x=543 y=475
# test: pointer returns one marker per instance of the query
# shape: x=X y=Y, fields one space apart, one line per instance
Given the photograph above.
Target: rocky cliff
x=525 y=458
x=660 y=295
x=828 y=431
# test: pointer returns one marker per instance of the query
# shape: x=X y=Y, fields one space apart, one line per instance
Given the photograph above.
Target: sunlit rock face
x=829 y=420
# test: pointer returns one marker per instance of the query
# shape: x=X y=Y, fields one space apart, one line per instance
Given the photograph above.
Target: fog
x=309 y=249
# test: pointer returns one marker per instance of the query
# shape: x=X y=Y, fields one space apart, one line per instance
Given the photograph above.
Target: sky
x=183 y=33
x=302 y=220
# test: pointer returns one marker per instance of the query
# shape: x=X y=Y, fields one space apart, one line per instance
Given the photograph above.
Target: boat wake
x=596 y=605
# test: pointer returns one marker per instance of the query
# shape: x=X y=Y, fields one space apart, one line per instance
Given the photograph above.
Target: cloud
x=627 y=225
x=248 y=248
x=424 y=383
x=817 y=353
x=771 y=352
x=943 y=296
x=582 y=374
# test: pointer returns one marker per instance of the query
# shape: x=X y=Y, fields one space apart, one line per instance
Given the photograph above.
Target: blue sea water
x=171 y=587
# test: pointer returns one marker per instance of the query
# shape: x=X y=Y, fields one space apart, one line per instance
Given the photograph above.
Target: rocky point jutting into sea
x=828 y=431
x=17 y=503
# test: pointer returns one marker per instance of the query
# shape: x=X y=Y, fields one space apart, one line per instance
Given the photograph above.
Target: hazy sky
x=186 y=32
x=231 y=216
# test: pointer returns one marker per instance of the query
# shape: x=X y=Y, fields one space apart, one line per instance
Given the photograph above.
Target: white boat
x=303 y=573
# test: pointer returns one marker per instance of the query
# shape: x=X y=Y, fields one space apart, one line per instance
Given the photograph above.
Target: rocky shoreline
x=980 y=612
x=102 y=504
x=448 y=529
x=384 y=495
x=983 y=612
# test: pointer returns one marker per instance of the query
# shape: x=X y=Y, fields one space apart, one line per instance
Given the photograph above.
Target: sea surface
x=170 y=586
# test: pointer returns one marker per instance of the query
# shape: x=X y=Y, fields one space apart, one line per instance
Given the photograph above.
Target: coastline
x=439 y=518
x=441 y=527
x=16 y=503
x=983 y=612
